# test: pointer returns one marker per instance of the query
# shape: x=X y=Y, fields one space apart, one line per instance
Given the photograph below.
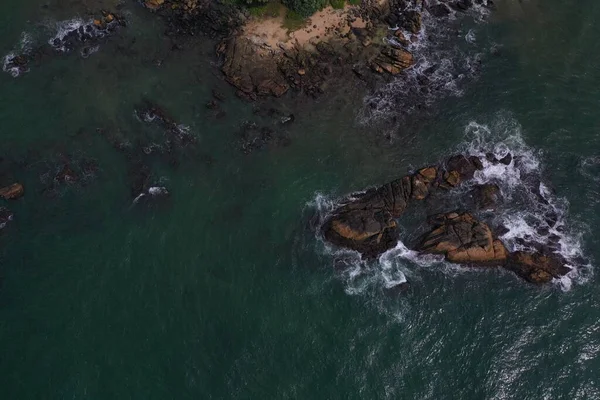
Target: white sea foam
x=80 y=30
x=532 y=215
x=440 y=69
x=158 y=191
x=23 y=48
x=65 y=28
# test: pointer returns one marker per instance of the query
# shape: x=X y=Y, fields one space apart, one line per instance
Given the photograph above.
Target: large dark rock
x=247 y=71
x=537 y=267
x=369 y=231
x=463 y=239
x=486 y=196
x=366 y=222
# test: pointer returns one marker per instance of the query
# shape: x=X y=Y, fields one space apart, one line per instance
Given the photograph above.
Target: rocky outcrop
x=537 y=267
x=246 y=70
x=486 y=196
x=392 y=60
x=463 y=239
x=13 y=191
x=366 y=222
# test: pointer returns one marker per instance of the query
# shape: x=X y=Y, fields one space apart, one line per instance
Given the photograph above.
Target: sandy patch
x=270 y=34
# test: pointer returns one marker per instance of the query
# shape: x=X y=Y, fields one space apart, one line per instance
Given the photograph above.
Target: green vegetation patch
x=337 y=4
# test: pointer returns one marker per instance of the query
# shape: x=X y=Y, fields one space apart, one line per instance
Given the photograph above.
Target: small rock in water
x=506 y=160
x=13 y=191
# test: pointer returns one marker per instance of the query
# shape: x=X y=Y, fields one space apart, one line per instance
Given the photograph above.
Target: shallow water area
x=221 y=288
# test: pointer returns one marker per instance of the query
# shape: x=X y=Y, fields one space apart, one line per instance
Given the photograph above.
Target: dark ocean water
x=224 y=290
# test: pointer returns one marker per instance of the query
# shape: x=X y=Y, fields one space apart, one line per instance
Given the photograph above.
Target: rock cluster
x=83 y=37
x=367 y=223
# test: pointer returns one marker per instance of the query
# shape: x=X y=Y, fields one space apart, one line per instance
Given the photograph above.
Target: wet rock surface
x=537 y=267
x=368 y=218
x=367 y=223
x=463 y=239
x=258 y=68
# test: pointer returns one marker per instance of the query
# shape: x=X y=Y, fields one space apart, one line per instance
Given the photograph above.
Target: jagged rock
x=466 y=167
x=13 y=191
x=366 y=222
x=412 y=21
x=463 y=239
x=392 y=60
x=537 y=267
x=486 y=196
x=462 y=5
x=370 y=231
x=506 y=160
x=452 y=178
x=245 y=70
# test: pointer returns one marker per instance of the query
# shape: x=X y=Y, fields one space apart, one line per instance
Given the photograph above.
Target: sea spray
x=442 y=65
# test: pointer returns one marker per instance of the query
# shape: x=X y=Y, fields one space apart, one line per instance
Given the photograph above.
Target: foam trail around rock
x=532 y=216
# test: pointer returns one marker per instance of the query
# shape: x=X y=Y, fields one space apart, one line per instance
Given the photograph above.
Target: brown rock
x=154 y=4
x=370 y=232
x=420 y=188
x=13 y=191
x=412 y=21
x=452 y=178
x=537 y=267
x=246 y=70
x=463 y=239
x=392 y=60
x=466 y=167
x=428 y=174
x=486 y=196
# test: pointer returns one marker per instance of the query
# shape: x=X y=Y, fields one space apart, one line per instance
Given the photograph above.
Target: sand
x=270 y=34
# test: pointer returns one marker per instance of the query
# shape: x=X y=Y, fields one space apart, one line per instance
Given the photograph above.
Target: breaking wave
x=442 y=64
x=9 y=63
x=530 y=217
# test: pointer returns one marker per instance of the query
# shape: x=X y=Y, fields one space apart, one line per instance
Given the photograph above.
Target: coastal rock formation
x=262 y=56
x=392 y=60
x=537 y=267
x=244 y=69
x=13 y=191
x=463 y=239
x=366 y=222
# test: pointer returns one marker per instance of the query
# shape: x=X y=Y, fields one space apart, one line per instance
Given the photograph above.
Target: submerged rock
x=486 y=196
x=13 y=191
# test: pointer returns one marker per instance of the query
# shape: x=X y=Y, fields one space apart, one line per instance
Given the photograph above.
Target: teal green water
x=224 y=291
